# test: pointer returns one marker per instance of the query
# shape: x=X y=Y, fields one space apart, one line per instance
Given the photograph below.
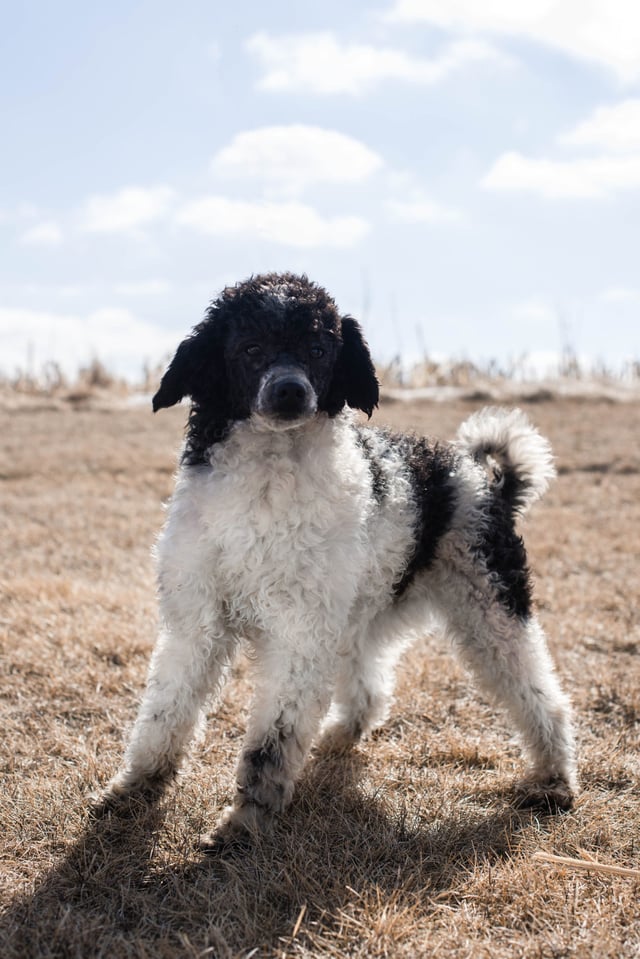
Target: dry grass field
x=409 y=846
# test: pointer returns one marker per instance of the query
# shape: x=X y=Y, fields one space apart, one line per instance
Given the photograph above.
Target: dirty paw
x=123 y=798
x=551 y=795
x=239 y=827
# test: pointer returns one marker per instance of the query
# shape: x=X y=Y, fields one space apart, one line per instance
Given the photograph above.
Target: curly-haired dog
x=327 y=545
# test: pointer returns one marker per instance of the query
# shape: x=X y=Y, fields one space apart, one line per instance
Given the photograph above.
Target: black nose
x=289 y=396
x=289 y=392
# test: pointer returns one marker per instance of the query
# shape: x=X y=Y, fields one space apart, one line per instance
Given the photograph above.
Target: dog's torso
x=317 y=523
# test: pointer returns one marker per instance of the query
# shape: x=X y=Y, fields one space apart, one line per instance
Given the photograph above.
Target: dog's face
x=273 y=348
x=281 y=379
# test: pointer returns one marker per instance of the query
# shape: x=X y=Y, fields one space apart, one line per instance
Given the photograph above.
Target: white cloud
x=612 y=128
x=294 y=157
x=535 y=313
x=572 y=179
x=46 y=233
x=603 y=31
x=621 y=294
x=69 y=289
x=21 y=214
x=143 y=288
x=117 y=337
x=421 y=209
x=290 y=223
x=319 y=63
x=126 y=210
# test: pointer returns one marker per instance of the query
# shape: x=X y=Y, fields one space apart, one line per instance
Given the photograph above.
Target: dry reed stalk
x=588 y=865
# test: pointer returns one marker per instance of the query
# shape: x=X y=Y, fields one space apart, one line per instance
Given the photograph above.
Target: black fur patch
x=504 y=553
x=379 y=482
x=269 y=754
x=203 y=431
x=431 y=467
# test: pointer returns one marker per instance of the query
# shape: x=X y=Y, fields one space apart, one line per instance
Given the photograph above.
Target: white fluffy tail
x=521 y=458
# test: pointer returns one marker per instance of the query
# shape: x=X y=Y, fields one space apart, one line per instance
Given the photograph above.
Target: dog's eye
x=253 y=350
x=316 y=352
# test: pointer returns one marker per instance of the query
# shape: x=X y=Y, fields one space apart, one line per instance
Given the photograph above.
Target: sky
x=463 y=177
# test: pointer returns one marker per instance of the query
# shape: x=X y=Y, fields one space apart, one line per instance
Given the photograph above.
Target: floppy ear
x=354 y=377
x=197 y=370
x=178 y=379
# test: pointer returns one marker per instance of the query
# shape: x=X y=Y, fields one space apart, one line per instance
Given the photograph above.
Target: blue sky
x=462 y=177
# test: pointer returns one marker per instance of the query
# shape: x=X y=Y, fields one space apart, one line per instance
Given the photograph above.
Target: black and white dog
x=328 y=545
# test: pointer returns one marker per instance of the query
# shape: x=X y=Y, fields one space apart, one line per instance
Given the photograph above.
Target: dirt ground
x=409 y=846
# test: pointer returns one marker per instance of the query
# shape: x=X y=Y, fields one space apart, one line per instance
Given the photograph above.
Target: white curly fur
x=507 y=437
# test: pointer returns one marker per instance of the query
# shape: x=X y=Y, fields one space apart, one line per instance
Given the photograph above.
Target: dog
x=327 y=545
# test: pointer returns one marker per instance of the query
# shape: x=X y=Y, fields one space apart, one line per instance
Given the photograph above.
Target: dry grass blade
x=296 y=928
x=588 y=865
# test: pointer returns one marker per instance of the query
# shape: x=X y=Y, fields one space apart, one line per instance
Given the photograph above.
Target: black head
x=274 y=348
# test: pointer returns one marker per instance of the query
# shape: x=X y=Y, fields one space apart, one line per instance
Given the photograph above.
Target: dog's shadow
x=337 y=849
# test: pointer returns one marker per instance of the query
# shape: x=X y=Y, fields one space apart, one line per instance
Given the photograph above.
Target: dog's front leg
x=292 y=698
x=185 y=669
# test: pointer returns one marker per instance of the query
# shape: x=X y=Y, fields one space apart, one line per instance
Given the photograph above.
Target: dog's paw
x=124 y=797
x=239 y=827
x=336 y=739
x=101 y=804
x=550 y=795
x=339 y=737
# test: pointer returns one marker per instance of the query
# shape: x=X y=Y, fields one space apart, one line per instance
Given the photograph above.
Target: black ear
x=354 y=377
x=362 y=389
x=179 y=378
x=197 y=370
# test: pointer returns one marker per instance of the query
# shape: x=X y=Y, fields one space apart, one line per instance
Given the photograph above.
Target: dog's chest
x=281 y=523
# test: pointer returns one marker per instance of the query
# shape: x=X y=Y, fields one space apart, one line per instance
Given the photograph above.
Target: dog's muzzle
x=286 y=395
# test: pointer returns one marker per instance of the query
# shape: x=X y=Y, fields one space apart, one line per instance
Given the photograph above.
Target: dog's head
x=274 y=348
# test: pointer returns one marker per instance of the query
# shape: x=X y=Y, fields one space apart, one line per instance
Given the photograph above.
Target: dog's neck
x=253 y=440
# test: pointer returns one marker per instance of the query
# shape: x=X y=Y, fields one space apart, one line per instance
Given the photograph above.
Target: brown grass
x=409 y=846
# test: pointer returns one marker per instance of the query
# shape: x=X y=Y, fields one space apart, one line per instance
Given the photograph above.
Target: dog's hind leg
x=509 y=657
x=364 y=682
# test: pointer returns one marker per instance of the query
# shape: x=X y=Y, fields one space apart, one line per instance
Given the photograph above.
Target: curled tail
x=521 y=459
